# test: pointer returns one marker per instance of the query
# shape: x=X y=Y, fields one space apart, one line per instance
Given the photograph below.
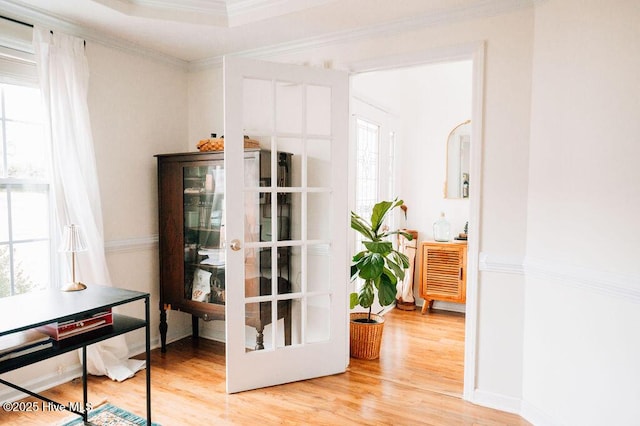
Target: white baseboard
x=513 y=405
x=535 y=416
x=497 y=401
x=42 y=383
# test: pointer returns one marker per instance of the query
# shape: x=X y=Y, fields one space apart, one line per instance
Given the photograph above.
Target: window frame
x=18 y=68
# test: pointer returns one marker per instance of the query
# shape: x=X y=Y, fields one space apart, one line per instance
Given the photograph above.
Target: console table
x=31 y=310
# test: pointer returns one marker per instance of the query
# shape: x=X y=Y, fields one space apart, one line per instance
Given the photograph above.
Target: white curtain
x=64 y=76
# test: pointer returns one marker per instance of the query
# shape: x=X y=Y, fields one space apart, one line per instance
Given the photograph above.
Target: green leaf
x=409 y=237
x=390 y=275
x=398 y=272
x=370 y=266
x=387 y=291
x=401 y=259
x=354 y=272
x=360 y=225
x=366 y=295
x=353 y=300
x=380 y=211
x=358 y=256
x=382 y=247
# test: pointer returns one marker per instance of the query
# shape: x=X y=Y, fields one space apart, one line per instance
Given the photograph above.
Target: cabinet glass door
x=204 y=220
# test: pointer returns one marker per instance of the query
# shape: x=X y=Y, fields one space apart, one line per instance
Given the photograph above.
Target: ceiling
x=199 y=30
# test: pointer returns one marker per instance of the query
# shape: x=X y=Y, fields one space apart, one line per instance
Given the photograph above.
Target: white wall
x=509 y=41
x=138 y=109
x=428 y=101
x=583 y=277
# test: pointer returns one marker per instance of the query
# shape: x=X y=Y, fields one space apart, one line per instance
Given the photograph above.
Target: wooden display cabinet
x=443 y=274
x=192 y=238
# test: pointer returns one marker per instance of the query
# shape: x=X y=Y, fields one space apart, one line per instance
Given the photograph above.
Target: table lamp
x=73 y=242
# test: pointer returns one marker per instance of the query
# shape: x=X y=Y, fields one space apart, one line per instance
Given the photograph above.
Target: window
x=367 y=160
x=375 y=168
x=25 y=236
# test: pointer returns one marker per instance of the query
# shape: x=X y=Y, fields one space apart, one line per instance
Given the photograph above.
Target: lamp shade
x=72 y=240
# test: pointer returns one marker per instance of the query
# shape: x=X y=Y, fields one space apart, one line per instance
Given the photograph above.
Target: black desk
x=27 y=311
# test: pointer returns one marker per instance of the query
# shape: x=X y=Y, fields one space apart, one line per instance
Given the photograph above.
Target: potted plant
x=380 y=267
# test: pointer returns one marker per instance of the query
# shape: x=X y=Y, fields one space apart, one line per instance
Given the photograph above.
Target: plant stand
x=365 y=338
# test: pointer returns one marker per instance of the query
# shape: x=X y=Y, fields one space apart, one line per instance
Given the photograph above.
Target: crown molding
x=241 y=12
x=201 y=12
x=482 y=9
x=222 y=13
x=217 y=7
x=40 y=18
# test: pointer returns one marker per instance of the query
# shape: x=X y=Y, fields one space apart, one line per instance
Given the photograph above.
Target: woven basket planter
x=365 y=337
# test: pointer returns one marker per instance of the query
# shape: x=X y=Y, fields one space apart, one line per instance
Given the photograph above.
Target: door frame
x=475 y=52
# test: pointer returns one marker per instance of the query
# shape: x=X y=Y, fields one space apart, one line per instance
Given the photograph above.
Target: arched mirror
x=458 y=160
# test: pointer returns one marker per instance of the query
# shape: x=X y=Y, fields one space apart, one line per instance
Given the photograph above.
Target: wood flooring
x=416 y=381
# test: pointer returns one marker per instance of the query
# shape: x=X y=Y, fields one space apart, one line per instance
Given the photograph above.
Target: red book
x=62 y=330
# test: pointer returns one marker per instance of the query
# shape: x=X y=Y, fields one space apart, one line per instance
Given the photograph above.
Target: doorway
x=430 y=94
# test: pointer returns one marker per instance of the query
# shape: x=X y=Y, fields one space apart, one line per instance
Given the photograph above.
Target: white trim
x=475 y=52
x=44 y=382
x=14 y=70
x=622 y=286
x=536 y=416
x=497 y=401
x=16 y=36
x=479 y=10
x=450 y=306
x=506 y=264
x=607 y=283
x=215 y=7
x=131 y=244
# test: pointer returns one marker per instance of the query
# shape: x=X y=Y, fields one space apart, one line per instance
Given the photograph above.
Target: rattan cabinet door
x=443 y=272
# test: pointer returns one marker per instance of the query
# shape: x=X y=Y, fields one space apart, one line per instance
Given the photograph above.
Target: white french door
x=287 y=264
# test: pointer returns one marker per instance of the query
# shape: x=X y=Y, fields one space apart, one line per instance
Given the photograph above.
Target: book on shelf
x=23 y=342
x=65 y=329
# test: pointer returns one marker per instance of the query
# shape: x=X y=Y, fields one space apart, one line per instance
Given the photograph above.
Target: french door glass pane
x=258 y=99
x=318 y=105
x=288 y=107
x=318 y=329
x=318 y=219
x=282 y=215
x=318 y=262
x=319 y=163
